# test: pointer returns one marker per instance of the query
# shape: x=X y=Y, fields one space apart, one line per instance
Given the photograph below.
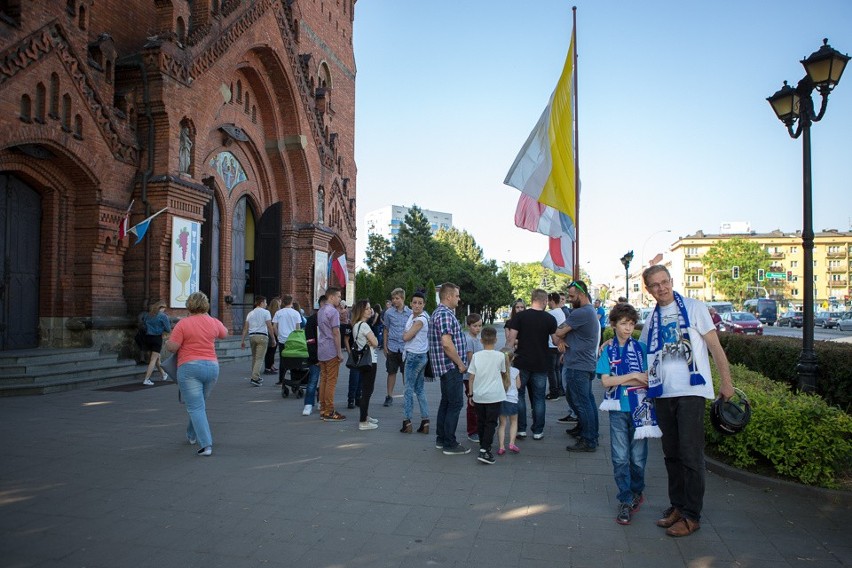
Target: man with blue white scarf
x=679 y=334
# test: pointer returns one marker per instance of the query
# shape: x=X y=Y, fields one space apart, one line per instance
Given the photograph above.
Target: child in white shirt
x=488 y=374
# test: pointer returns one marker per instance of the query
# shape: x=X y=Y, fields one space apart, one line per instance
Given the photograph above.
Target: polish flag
x=338 y=266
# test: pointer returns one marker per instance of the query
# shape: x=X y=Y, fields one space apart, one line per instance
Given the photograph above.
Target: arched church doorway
x=211 y=232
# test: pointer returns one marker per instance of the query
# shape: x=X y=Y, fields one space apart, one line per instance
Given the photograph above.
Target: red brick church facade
x=235 y=114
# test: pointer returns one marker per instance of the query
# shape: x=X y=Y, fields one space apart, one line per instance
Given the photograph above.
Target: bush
x=799 y=435
x=609 y=333
x=776 y=358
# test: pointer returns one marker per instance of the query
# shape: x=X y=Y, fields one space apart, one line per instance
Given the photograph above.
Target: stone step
x=37 y=356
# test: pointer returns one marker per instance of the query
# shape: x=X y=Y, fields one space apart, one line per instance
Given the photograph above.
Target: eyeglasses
x=579 y=286
x=659 y=285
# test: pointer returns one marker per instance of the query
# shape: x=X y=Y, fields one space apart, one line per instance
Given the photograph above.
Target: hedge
x=776 y=358
x=798 y=435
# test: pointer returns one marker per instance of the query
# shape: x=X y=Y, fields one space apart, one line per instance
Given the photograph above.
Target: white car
x=845 y=323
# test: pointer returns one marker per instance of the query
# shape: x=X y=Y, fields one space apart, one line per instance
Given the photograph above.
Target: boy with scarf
x=679 y=333
x=621 y=367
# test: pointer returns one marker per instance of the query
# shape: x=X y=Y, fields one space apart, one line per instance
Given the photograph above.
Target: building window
x=239 y=91
x=26 y=108
x=66 y=112
x=794 y=250
x=78 y=127
x=54 y=96
x=795 y=292
x=39 y=107
x=794 y=264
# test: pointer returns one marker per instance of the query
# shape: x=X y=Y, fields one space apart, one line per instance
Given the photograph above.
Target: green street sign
x=776 y=275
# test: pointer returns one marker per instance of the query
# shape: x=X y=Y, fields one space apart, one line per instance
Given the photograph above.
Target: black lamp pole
x=824 y=68
x=625 y=260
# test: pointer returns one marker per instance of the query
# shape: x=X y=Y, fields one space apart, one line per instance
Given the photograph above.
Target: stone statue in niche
x=185 y=154
x=321 y=205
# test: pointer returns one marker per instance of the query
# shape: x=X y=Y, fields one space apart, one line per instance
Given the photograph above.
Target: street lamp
x=823 y=70
x=625 y=260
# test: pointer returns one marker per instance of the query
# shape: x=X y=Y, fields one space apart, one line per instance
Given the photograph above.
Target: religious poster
x=185 y=263
x=320 y=275
x=229 y=169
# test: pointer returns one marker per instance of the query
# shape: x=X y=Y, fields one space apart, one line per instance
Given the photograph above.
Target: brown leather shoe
x=670 y=517
x=683 y=527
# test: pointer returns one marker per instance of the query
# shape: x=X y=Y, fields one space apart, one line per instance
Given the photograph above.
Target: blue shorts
x=509 y=408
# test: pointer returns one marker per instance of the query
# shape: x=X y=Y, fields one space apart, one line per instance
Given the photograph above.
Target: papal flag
x=544 y=168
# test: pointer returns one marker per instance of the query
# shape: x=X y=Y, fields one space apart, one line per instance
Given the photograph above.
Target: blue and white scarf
x=622 y=361
x=643 y=414
x=655 y=349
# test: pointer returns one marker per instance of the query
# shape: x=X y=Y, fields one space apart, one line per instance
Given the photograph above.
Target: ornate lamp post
x=625 y=260
x=823 y=70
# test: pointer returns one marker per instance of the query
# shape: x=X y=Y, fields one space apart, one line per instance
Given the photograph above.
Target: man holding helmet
x=679 y=334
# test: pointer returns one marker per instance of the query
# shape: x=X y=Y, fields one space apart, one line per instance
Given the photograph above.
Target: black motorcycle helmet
x=730 y=417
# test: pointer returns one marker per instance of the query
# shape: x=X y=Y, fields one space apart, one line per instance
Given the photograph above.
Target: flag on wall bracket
x=140 y=228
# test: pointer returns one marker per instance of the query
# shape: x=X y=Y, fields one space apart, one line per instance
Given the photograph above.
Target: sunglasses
x=579 y=286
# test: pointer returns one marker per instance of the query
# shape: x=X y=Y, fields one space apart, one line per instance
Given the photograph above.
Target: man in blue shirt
x=394 y=320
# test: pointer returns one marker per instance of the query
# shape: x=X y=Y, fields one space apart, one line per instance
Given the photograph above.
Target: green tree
x=378 y=252
x=526 y=277
x=719 y=262
x=362 y=284
x=462 y=242
x=409 y=289
x=431 y=303
x=378 y=293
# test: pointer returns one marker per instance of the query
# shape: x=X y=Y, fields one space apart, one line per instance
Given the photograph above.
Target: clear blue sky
x=675 y=131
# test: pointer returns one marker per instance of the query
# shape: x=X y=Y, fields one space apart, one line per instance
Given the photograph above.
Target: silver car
x=845 y=322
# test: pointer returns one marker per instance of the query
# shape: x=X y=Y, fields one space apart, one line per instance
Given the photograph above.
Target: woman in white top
x=416 y=337
x=362 y=336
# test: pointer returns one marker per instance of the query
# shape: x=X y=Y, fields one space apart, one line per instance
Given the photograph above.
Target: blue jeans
x=579 y=386
x=628 y=456
x=534 y=382
x=196 y=380
x=415 y=365
x=452 y=400
x=313 y=380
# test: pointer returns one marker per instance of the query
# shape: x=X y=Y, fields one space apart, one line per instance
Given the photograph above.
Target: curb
x=828 y=496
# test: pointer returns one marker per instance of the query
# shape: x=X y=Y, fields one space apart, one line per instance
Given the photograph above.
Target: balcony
x=776 y=255
x=694 y=270
x=692 y=256
x=837 y=283
x=695 y=284
x=836 y=254
x=838 y=269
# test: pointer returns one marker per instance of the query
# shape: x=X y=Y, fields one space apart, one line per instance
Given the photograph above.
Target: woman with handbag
x=156 y=323
x=193 y=339
x=363 y=356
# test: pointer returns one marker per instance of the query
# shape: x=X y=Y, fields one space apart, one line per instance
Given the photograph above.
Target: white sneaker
x=166 y=377
x=372 y=420
x=538 y=436
x=205 y=451
x=148 y=383
x=307 y=410
x=367 y=426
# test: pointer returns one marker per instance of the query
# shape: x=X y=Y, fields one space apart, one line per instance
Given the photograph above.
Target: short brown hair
x=398 y=292
x=538 y=295
x=473 y=318
x=488 y=335
x=331 y=292
x=446 y=289
x=623 y=311
x=651 y=270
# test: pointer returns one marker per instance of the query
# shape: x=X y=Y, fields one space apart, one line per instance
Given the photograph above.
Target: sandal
x=501 y=451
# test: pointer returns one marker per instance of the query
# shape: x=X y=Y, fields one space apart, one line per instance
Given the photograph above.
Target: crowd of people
x=654 y=387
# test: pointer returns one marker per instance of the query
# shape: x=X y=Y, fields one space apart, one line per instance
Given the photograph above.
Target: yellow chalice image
x=183 y=270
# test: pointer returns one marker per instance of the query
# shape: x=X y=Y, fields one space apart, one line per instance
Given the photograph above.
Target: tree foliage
x=527 y=276
x=719 y=262
x=416 y=260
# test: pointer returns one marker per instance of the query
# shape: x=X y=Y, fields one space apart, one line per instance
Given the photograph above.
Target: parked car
x=845 y=322
x=643 y=315
x=790 y=319
x=827 y=319
x=741 y=322
x=764 y=309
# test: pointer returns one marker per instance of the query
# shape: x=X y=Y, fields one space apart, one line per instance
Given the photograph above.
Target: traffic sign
x=776 y=275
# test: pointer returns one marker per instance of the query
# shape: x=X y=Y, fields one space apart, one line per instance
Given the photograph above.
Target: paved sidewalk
x=106 y=479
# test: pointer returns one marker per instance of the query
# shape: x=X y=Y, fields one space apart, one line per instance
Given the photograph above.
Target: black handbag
x=359 y=358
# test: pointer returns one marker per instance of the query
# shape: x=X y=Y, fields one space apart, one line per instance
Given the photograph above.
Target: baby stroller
x=294 y=358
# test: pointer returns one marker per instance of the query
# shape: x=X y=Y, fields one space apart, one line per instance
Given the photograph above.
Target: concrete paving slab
x=106 y=478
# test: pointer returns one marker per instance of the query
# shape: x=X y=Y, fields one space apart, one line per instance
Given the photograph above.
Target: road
x=819 y=333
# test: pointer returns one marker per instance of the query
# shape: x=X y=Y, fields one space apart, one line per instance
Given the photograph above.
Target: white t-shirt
x=487 y=366
x=360 y=331
x=512 y=393
x=420 y=342
x=288 y=320
x=675 y=368
x=559 y=315
x=256 y=320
